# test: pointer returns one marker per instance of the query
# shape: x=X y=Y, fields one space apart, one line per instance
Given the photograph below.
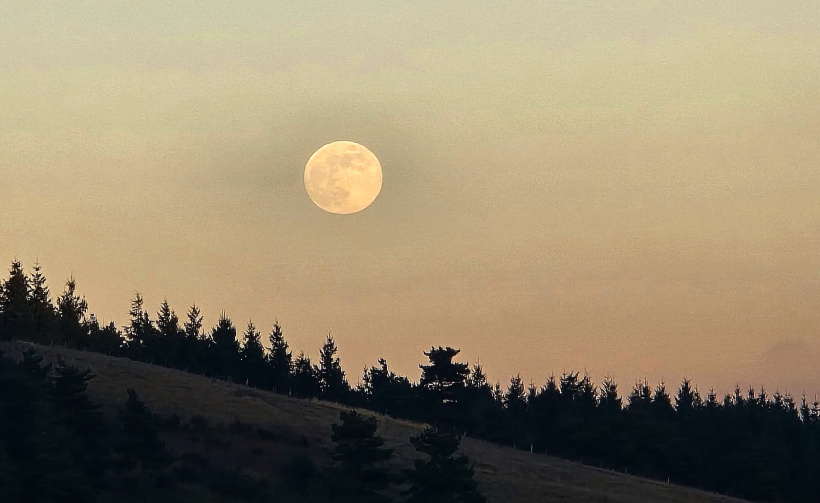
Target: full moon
x=343 y=177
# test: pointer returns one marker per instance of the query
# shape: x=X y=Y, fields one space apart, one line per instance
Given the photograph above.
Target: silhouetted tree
x=83 y=417
x=443 y=380
x=170 y=336
x=140 y=332
x=305 y=377
x=225 y=347
x=44 y=317
x=280 y=359
x=332 y=383
x=15 y=312
x=140 y=448
x=253 y=356
x=72 y=309
x=387 y=392
x=359 y=473
x=445 y=477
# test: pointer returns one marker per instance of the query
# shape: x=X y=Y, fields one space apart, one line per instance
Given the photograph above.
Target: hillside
x=303 y=426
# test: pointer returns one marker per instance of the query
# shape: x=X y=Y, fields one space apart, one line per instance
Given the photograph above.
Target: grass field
x=303 y=426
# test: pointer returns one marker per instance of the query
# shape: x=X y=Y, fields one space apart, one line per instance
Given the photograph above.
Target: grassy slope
x=505 y=475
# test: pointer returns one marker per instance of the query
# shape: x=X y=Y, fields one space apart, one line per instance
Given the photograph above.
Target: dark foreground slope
x=284 y=428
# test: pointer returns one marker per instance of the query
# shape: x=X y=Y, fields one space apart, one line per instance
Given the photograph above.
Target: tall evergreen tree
x=252 y=356
x=84 y=418
x=445 y=477
x=332 y=383
x=72 y=309
x=15 y=312
x=443 y=380
x=140 y=332
x=387 y=392
x=171 y=338
x=305 y=379
x=279 y=359
x=140 y=449
x=225 y=347
x=608 y=399
x=359 y=473
x=44 y=317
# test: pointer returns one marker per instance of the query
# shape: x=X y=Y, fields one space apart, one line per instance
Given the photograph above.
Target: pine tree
x=305 y=377
x=515 y=399
x=171 y=338
x=84 y=419
x=44 y=317
x=140 y=448
x=252 y=356
x=443 y=381
x=280 y=359
x=445 y=477
x=688 y=400
x=359 y=474
x=196 y=343
x=608 y=400
x=140 y=332
x=15 y=313
x=72 y=309
x=332 y=383
x=225 y=347
x=103 y=339
x=385 y=391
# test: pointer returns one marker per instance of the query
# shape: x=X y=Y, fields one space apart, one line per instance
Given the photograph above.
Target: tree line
x=746 y=443
x=56 y=445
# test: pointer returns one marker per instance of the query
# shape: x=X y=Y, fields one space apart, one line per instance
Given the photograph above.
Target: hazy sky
x=631 y=189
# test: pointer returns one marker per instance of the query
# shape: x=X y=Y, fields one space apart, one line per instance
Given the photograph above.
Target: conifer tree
x=84 y=419
x=332 y=383
x=140 y=332
x=196 y=344
x=140 y=448
x=688 y=400
x=225 y=346
x=608 y=400
x=104 y=339
x=385 y=391
x=171 y=338
x=359 y=474
x=445 y=477
x=516 y=399
x=443 y=382
x=305 y=377
x=15 y=313
x=72 y=309
x=252 y=355
x=280 y=359
x=44 y=317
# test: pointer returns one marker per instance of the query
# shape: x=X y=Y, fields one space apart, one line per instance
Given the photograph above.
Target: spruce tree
x=359 y=473
x=280 y=359
x=445 y=477
x=305 y=377
x=140 y=332
x=15 y=312
x=139 y=449
x=72 y=309
x=170 y=346
x=443 y=380
x=44 y=316
x=332 y=382
x=84 y=418
x=252 y=356
x=225 y=346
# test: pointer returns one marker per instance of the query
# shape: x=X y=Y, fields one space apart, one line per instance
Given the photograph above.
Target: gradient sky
x=626 y=189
